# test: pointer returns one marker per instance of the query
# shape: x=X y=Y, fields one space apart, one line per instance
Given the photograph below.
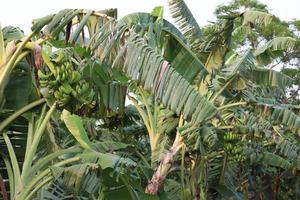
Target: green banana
x=66 y=85
x=44 y=76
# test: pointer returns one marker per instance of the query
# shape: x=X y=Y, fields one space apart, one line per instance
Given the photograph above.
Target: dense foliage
x=95 y=107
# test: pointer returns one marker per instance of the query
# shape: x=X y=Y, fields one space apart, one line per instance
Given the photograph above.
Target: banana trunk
x=165 y=165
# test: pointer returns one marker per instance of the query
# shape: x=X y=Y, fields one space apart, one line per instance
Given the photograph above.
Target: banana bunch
x=66 y=85
x=46 y=80
x=233 y=147
x=229 y=137
x=84 y=94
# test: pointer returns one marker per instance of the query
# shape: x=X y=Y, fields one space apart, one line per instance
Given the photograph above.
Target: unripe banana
x=64 y=90
x=44 y=83
x=69 y=66
x=43 y=76
x=66 y=85
x=63 y=68
x=58 y=95
x=58 y=78
x=78 y=89
x=56 y=72
x=77 y=76
x=84 y=88
x=52 y=84
x=63 y=76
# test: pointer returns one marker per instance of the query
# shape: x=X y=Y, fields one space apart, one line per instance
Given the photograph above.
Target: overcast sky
x=21 y=12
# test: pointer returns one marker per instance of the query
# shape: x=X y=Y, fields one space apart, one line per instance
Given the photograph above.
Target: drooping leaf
x=256 y=17
x=227 y=192
x=55 y=20
x=78 y=178
x=107 y=146
x=76 y=128
x=286 y=117
x=177 y=52
x=277 y=43
x=38 y=24
x=18 y=90
x=269 y=78
x=80 y=27
x=11 y=33
x=266 y=53
x=67 y=19
x=186 y=23
x=218 y=45
x=106 y=160
x=271 y=159
x=143 y=65
x=287 y=148
x=240 y=64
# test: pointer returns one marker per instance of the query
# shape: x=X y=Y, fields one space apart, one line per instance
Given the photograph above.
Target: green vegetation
x=95 y=107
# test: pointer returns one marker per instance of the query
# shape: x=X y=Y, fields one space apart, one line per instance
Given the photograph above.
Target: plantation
x=98 y=107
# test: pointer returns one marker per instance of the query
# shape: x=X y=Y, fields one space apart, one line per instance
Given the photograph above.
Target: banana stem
x=7 y=68
x=232 y=105
x=11 y=118
x=39 y=186
x=226 y=127
x=41 y=176
x=166 y=163
x=222 y=89
x=161 y=172
x=36 y=139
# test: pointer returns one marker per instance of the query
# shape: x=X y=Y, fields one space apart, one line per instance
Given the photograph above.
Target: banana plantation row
x=95 y=107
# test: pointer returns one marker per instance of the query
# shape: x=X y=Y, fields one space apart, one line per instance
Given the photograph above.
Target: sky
x=21 y=12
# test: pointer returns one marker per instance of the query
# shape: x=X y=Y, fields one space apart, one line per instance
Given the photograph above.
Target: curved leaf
x=143 y=65
x=277 y=43
x=186 y=23
x=75 y=126
x=266 y=53
x=271 y=159
x=269 y=78
x=176 y=51
x=256 y=17
x=287 y=117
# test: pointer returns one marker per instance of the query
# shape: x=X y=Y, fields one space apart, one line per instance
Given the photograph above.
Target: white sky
x=21 y=12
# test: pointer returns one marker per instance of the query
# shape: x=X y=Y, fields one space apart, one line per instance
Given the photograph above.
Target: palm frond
x=287 y=148
x=241 y=64
x=243 y=69
x=176 y=50
x=256 y=17
x=277 y=43
x=143 y=65
x=286 y=117
x=218 y=44
x=186 y=23
x=266 y=53
x=267 y=158
x=269 y=78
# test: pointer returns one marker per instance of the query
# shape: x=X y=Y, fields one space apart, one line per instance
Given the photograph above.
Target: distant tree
x=285 y=59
